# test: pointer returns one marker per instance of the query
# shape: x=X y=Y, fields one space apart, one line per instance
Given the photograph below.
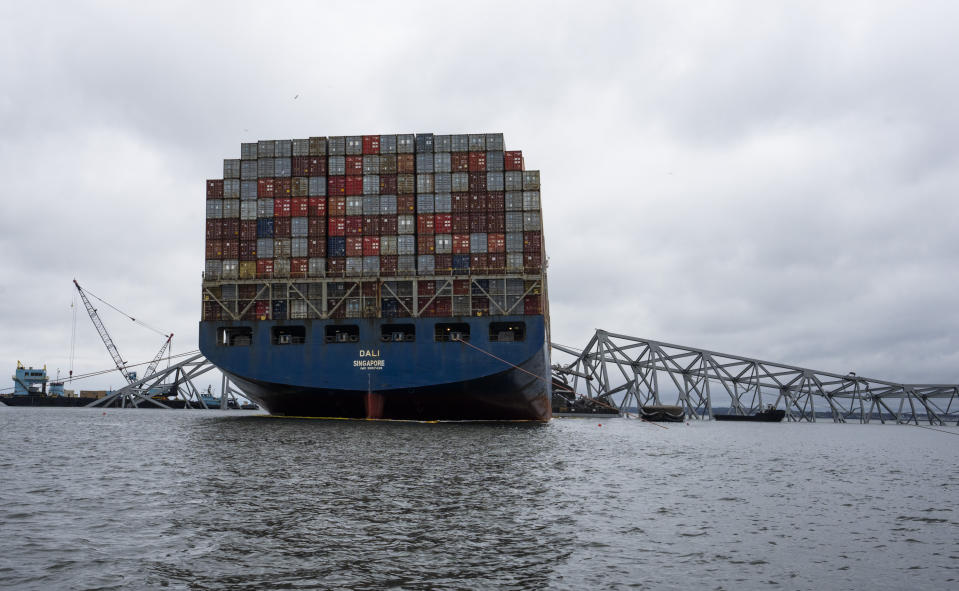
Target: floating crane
x=128 y=375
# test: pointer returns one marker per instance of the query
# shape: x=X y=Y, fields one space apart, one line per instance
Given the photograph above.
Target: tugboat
x=770 y=415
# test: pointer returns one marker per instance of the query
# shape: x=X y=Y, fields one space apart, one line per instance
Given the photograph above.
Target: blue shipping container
x=461 y=262
x=336 y=246
x=264 y=228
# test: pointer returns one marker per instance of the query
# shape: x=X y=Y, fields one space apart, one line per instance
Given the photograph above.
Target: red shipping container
x=301 y=166
x=247 y=230
x=388 y=225
x=495 y=221
x=371 y=246
x=533 y=304
x=282 y=187
x=354 y=185
x=336 y=186
x=461 y=243
x=405 y=204
x=513 y=160
x=425 y=306
x=533 y=242
x=461 y=223
x=231 y=249
x=443 y=223
x=265 y=188
x=336 y=226
x=263 y=309
x=231 y=228
x=461 y=287
x=388 y=265
x=496 y=261
x=425 y=244
x=336 y=206
x=317 y=206
x=354 y=165
x=480 y=306
x=316 y=166
x=477 y=161
x=460 y=161
x=354 y=225
x=214 y=250
x=387 y=184
x=214 y=229
x=443 y=264
x=478 y=222
x=281 y=227
x=371 y=144
x=336 y=266
x=443 y=307
x=316 y=247
x=477 y=201
x=248 y=250
x=282 y=206
x=371 y=225
x=354 y=246
x=426 y=288
x=496 y=243
x=299 y=267
x=425 y=223
x=532 y=261
x=214 y=189
x=478 y=263
x=477 y=182
x=460 y=202
x=246 y=291
x=264 y=268
x=495 y=201
x=300 y=207
x=405 y=164
x=316 y=227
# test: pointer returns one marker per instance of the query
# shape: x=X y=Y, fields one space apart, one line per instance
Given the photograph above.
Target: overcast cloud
x=773 y=179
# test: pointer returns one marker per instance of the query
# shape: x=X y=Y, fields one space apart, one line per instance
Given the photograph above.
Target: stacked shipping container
x=456 y=212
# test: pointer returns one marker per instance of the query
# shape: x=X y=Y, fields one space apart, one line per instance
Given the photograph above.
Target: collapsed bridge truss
x=626 y=372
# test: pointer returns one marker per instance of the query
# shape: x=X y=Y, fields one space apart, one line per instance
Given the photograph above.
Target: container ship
x=379 y=276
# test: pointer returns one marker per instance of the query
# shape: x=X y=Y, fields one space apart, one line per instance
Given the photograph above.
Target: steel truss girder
x=625 y=371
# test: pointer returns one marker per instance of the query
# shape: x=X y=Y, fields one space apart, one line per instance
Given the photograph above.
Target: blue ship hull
x=410 y=380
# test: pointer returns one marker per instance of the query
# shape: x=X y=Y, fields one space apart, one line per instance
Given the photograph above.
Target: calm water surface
x=123 y=499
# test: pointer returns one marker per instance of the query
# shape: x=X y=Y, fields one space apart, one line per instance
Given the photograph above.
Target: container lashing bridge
x=626 y=372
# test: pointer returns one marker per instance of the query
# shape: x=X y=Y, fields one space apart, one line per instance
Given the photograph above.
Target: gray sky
x=773 y=179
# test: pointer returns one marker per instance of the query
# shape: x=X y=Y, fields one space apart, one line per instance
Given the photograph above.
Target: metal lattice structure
x=632 y=372
x=175 y=380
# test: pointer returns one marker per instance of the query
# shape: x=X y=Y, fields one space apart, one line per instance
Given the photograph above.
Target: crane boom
x=95 y=318
x=156 y=360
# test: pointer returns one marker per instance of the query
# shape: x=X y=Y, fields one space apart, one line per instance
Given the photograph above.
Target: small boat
x=770 y=415
x=663 y=413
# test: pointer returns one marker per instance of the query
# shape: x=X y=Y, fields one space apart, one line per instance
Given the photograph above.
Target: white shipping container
x=459 y=143
x=405 y=224
x=387 y=144
x=281 y=267
x=354 y=145
x=424 y=162
x=298 y=310
x=354 y=266
x=387 y=204
x=281 y=248
x=265 y=149
x=514 y=201
x=248 y=151
x=264 y=207
x=494 y=161
x=441 y=162
x=299 y=247
x=531 y=201
x=443 y=203
x=354 y=205
x=425 y=264
x=336 y=145
x=371 y=205
x=388 y=245
x=424 y=203
x=282 y=167
x=336 y=166
x=532 y=222
x=405 y=143
x=514 y=221
x=230 y=269
x=247 y=190
x=424 y=183
x=299 y=228
x=371 y=164
x=478 y=242
x=264 y=248
x=247 y=210
x=213 y=270
x=371 y=266
x=231 y=169
x=494 y=181
x=514 y=242
x=283 y=148
x=248 y=169
x=405 y=244
x=231 y=188
x=494 y=142
x=301 y=147
x=513 y=180
x=317 y=186
x=231 y=208
x=441 y=143
x=443 y=182
x=461 y=182
x=477 y=142
x=444 y=244
x=316 y=267
x=214 y=209
x=264 y=167
x=514 y=261
x=531 y=180
x=405 y=264
x=371 y=184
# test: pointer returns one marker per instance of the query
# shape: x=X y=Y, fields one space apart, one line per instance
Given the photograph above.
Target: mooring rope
x=514 y=366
